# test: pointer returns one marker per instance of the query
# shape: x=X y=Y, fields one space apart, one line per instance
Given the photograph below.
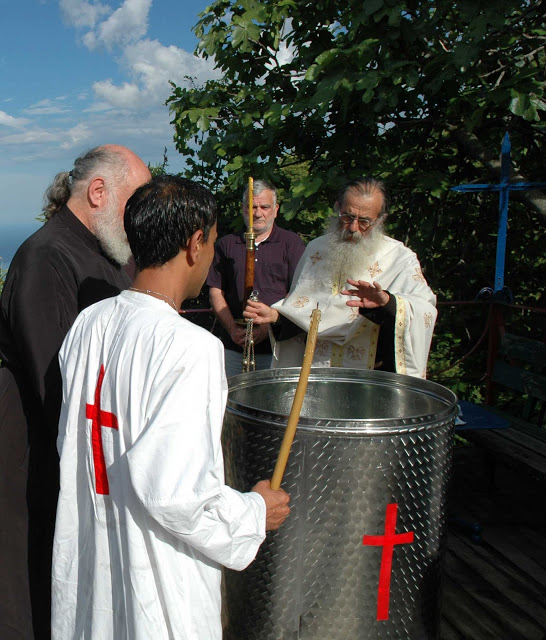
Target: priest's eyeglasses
x=363 y=223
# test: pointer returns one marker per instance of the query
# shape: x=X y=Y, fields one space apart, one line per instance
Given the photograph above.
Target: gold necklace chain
x=156 y=293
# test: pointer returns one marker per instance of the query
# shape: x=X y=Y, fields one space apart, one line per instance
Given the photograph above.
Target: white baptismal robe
x=345 y=337
x=144 y=519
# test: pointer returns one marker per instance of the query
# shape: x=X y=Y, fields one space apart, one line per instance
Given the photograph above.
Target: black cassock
x=55 y=274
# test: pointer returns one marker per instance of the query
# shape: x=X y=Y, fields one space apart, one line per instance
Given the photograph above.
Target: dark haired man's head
x=162 y=215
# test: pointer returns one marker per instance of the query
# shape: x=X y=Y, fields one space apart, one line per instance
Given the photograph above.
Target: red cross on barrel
x=388 y=540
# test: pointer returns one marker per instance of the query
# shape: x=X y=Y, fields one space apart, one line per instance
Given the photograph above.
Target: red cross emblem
x=99 y=419
x=387 y=541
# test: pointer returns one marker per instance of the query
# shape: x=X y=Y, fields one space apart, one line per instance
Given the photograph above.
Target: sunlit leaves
x=244 y=31
x=315 y=92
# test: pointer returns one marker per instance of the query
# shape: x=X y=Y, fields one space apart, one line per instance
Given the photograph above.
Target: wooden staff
x=250 y=238
x=294 y=416
x=249 y=362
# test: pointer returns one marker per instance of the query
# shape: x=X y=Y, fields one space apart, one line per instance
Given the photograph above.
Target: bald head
x=96 y=191
x=124 y=173
x=118 y=167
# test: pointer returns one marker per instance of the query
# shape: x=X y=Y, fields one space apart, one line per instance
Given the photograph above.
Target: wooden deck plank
x=448 y=631
x=494 y=582
x=464 y=614
x=480 y=610
x=510 y=443
x=533 y=541
x=495 y=590
x=508 y=542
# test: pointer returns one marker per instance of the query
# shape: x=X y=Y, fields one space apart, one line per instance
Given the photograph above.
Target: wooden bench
x=516 y=434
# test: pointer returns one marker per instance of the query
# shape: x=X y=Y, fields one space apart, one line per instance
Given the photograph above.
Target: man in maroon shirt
x=277 y=254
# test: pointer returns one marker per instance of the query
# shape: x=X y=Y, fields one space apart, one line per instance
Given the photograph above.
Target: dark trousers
x=15 y=611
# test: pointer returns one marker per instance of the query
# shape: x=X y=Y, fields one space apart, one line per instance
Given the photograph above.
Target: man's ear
x=195 y=247
x=96 y=192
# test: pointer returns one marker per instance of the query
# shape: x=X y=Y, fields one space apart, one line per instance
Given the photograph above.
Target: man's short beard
x=108 y=228
x=350 y=254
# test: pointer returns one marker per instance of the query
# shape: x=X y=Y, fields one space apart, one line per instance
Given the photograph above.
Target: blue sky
x=75 y=74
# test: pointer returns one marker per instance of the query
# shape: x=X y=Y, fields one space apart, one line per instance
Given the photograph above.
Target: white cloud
x=125 y=96
x=81 y=14
x=47 y=107
x=39 y=137
x=127 y=24
x=152 y=125
x=76 y=136
x=36 y=135
x=129 y=111
x=156 y=64
x=11 y=121
x=151 y=65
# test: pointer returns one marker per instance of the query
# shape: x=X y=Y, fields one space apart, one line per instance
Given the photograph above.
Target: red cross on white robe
x=99 y=419
x=387 y=541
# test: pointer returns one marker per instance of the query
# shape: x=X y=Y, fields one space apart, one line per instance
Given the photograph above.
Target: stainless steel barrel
x=360 y=555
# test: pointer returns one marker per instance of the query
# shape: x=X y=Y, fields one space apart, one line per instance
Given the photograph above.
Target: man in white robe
x=144 y=519
x=388 y=320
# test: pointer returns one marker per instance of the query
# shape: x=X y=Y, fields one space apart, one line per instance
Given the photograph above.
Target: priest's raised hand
x=370 y=294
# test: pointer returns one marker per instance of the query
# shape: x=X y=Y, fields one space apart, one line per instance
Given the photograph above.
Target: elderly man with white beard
x=70 y=263
x=383 y=319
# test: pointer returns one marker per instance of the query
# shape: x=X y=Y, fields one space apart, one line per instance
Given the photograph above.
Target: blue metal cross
x=504 y=187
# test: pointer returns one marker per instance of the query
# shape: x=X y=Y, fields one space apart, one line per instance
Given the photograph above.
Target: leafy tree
x=418 y=93
x=161 y=168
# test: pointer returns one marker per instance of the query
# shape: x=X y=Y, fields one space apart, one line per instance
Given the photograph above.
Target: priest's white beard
x=350 y=255
x=108 y=229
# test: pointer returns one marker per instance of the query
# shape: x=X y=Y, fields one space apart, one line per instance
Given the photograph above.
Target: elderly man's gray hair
x=259 y=186
x=364 y=186
x=109 y=163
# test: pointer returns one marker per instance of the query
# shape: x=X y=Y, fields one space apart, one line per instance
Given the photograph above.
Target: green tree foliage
x=418 y=93
x=159 y=169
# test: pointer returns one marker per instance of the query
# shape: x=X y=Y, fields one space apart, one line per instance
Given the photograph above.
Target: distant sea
x=12 y=237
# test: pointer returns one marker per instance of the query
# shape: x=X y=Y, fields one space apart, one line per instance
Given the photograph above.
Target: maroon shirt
x=276 y=259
